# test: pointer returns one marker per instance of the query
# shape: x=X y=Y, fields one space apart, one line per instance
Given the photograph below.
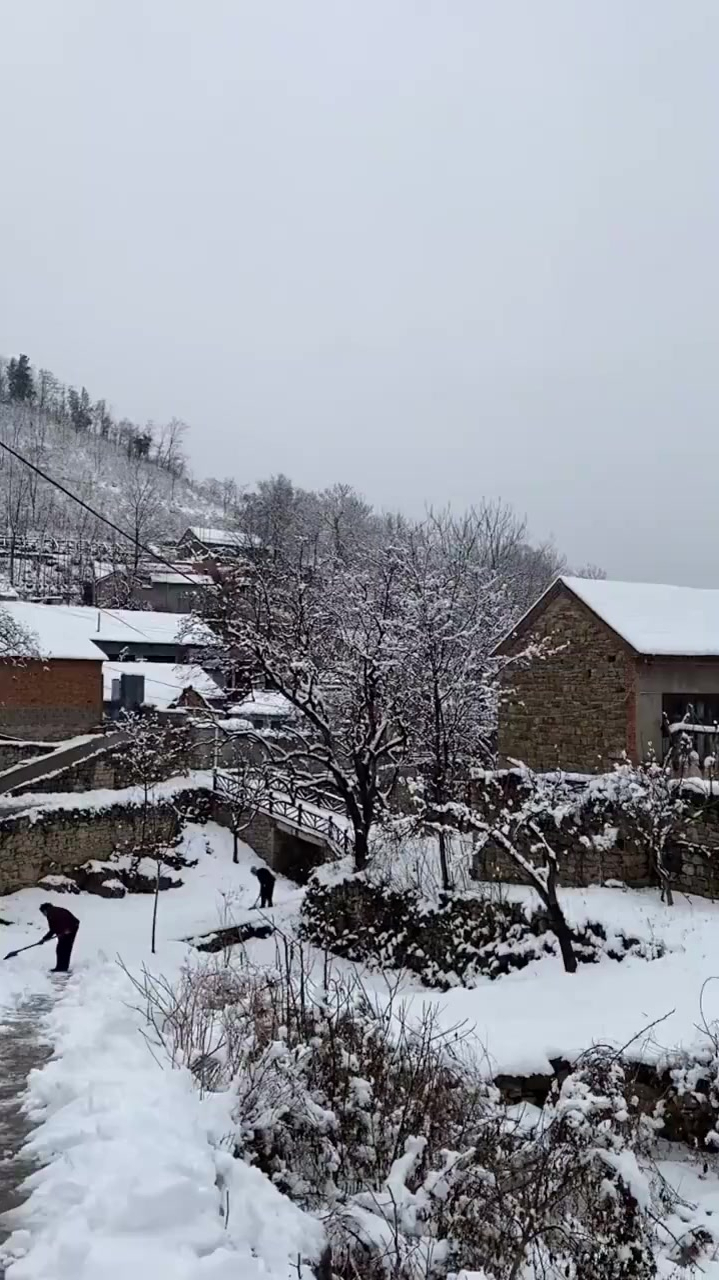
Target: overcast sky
x=437 y=249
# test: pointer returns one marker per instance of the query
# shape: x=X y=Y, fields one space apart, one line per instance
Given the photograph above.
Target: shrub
x=389 y=1130
x=448 y=941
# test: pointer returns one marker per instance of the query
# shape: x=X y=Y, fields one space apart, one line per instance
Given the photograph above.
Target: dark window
x=699 y=712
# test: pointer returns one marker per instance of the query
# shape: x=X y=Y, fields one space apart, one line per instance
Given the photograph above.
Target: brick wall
x=576 y=707
x=50 y=699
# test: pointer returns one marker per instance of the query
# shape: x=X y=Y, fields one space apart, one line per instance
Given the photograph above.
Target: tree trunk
x=361 y=848
x=563 y=934
x=443 y=861
x=154 y=905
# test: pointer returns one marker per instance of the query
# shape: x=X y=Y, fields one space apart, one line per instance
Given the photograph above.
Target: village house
x=202 y=543
x=53 y=690
x=627 y=667
x=134 y=634
x=265 y=709
x=179 y=590
x=163 y=686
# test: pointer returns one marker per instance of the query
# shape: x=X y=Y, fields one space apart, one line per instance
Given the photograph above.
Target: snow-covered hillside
x=136 y=475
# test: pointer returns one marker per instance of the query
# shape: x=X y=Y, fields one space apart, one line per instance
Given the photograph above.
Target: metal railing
x=297 y=812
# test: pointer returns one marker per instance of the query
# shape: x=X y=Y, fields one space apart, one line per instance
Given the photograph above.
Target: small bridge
x=292 y=832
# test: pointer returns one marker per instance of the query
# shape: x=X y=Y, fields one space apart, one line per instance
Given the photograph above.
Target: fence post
x=299 y=814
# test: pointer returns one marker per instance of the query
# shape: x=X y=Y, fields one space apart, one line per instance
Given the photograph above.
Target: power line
x=154 y=555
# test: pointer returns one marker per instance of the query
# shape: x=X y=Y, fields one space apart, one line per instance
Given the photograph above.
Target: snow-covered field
x=136 y=1170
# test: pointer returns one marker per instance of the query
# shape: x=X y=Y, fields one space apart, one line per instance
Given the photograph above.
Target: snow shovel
x=11 y=954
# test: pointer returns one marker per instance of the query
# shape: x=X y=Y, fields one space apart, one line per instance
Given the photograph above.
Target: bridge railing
x=303 y=815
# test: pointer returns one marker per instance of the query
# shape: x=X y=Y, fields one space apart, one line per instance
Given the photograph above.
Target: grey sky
x=438 y=249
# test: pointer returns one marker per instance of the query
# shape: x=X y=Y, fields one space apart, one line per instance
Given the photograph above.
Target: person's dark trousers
x=266 y=897
x=65 y=945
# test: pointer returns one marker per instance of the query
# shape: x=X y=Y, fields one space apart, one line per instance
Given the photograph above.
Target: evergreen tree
x=80 y=413
x=20 y=379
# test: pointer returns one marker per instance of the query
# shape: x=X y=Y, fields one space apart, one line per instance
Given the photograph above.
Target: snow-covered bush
x=390 y=1131
x=446 y=940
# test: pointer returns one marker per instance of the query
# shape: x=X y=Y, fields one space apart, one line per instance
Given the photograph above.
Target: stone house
x=627 y=666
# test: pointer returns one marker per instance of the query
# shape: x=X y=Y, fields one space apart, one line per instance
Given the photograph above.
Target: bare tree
x=143 y=509
x=169 y=449
x=590 y=571
x=243 y=789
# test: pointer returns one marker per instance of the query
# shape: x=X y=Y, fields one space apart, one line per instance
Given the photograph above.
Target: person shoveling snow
x=267 y=885
x=63 y=925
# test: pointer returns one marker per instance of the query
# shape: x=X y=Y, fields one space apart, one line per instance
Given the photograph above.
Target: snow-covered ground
x=136 y=1170
x=535 y=1014
x=137 y=1175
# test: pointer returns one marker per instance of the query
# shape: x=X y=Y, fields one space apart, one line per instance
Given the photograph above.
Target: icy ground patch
x=137 y=1175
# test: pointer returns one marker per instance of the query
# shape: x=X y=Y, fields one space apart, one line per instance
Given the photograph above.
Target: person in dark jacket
x=62 y=925
x=267 y=885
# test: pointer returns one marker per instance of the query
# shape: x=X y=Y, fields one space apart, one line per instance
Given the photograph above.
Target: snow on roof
x=68 y=631
x=222 y=537
x=654 y=619
x=163 y=682
x=263 y=702
x=183 y=579
x=133 y=626
x=57 y=636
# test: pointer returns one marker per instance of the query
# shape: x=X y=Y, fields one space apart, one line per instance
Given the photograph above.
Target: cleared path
x=21 y=1049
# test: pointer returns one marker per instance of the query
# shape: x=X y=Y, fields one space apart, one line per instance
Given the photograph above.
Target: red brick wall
x=54 y=698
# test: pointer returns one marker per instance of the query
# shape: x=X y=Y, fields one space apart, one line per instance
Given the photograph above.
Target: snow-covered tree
x=653 y=799
x=453 y=610
x=328 y=641
x=16 y=641
x=519 y=824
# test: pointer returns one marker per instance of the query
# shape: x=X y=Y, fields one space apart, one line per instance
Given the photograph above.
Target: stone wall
x=102 y=770
x=583 y=864
x=574 y=708
x=12 y=753
x=579 y=867
x=60 y=840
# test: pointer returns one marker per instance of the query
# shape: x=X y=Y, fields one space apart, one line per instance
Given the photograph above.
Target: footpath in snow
x=136 y=1174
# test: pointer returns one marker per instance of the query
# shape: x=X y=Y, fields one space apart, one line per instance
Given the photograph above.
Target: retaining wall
x=60 y=840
